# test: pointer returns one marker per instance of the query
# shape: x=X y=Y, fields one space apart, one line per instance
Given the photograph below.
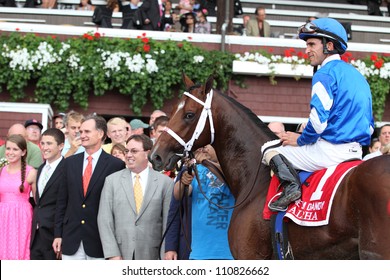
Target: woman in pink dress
x=17 y=179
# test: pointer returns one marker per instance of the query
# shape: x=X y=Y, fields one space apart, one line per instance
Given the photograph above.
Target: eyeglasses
x=133 y=151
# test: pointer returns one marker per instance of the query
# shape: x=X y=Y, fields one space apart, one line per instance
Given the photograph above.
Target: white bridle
x=200 y=125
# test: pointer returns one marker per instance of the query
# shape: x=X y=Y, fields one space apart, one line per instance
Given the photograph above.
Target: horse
x=359 y=225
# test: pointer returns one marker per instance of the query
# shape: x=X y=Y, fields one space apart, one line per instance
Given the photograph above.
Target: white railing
x=178 y=36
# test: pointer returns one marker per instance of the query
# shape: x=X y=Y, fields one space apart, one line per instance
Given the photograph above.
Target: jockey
x=340 y=120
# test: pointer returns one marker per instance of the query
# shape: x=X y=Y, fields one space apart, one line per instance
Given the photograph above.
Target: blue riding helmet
x=325 y=28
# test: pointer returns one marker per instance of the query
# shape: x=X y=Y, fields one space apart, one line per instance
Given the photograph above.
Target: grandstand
x=284 y=17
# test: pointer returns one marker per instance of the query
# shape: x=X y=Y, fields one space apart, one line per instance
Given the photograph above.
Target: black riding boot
x=289 y=180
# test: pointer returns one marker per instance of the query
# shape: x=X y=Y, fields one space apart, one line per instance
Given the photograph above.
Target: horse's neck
x=238 y=144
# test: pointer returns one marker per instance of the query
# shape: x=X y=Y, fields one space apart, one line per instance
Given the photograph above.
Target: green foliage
x=143 y=69
x=73 y=69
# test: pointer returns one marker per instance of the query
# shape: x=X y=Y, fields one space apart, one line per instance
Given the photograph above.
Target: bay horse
x=359 y=225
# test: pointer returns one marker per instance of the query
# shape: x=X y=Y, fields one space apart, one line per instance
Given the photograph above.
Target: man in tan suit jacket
x=128 y=233
x=258 y=27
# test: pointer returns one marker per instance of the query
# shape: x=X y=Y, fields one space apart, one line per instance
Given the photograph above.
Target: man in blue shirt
x=341 y=118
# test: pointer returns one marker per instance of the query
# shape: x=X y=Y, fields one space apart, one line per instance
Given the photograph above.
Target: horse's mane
x=252 y=116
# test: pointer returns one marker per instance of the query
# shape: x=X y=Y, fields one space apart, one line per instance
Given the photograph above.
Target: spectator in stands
x=117 y=132
x=34 y=156
x=210 y=6
x=259 y=27
x=85 y=5
x=34 y=129
x=28 y=3
x=151 y=13
x=72 y=143
x=202 y=25
x=188 y=22
x=185 y=6
x=131 y=14
x=241 y=29
x=169 y=17
x=48 y=4
x=112 y=6
x=138 y=126
x=8 y=3
x=374 y=7
x=388 y=7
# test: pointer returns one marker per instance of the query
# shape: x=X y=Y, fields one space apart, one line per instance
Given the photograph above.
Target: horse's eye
x=189 y=116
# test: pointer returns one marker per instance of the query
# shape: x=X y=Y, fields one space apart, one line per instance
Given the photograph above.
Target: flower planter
x=272 y=69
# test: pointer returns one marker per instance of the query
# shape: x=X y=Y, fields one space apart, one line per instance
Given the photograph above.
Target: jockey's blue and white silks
x=339 y=96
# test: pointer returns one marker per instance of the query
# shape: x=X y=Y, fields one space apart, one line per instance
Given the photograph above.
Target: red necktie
x=87 y=175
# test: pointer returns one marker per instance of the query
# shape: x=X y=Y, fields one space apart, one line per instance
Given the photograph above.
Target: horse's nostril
x=156 y=162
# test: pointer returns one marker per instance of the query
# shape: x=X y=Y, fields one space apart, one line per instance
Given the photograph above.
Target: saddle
x=318 y=190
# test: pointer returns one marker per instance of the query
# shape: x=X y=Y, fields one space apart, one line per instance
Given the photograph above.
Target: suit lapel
x=150 y=190
x=77 y=166
x=126 y=180
x=57 y=172
x=98 y=171
x=36 y=194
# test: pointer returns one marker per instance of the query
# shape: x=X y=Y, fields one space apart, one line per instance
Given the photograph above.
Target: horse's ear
x=209 y=84
x=187 y=81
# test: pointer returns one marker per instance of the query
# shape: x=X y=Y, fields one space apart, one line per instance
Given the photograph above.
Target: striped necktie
x=45 y=179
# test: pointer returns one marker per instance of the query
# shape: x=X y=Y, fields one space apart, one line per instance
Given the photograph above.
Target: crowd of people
x=84 y=189
x=69 y=192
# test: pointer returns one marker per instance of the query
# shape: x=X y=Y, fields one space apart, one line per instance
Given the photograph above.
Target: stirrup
x=277 y=208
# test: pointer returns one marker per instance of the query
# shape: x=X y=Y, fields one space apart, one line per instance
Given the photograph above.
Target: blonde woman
x=17 y=180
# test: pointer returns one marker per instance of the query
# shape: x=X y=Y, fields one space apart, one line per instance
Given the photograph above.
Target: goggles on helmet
x=310 y=28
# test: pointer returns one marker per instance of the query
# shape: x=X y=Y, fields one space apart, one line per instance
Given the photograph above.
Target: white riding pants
x=319 y=155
